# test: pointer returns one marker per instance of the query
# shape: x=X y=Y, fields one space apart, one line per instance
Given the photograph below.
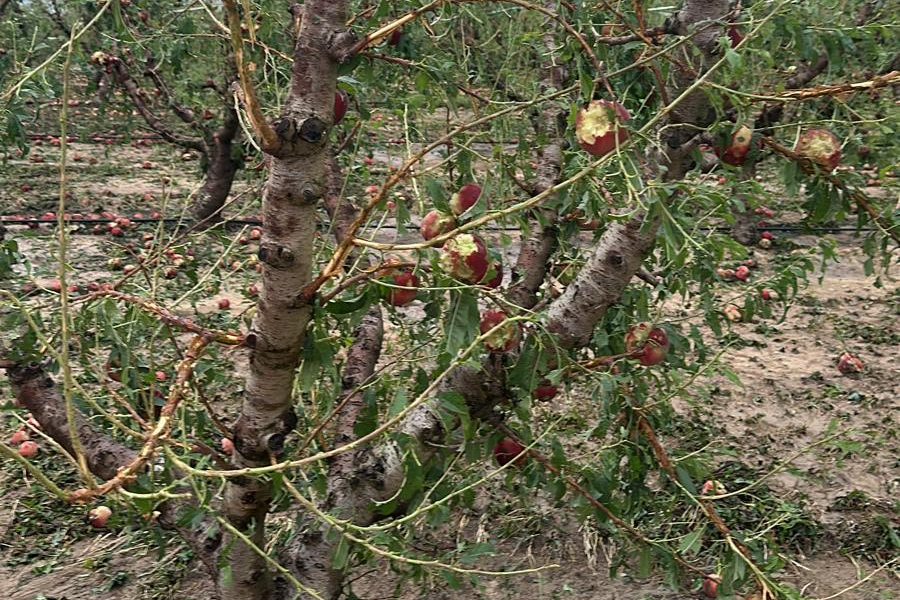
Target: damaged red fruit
x=849 y=364
x=820 y=146
x=464 y=199
x=735 y=153
x=599 y=127
x=407 y=290
x=436 y=223
x=509 y=450
x=646 y=343
x=465 y=258
x=505 y=337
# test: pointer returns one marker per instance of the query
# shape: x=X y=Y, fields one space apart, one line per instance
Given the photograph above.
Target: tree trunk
x=220 y=171
x=297 y=181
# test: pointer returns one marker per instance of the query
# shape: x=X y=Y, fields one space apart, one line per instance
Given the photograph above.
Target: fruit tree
x=570 y=217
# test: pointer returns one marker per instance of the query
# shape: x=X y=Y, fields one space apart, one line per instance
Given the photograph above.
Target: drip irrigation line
x=785 y=228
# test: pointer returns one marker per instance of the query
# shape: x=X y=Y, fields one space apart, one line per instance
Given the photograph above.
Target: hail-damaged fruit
x=647 y=344
x=406 y=291
x=735 y=35
x=28 y=449
x=435 y=223
x=509 y=450
x=495 y=272
x=341 y=101
x=738 y=147
x=465 y=198
x=544 y=391
x=849 y=364
x=465 y=258
x=505 y=336
x=820 y=146
x=599 y=126
x=98 y=516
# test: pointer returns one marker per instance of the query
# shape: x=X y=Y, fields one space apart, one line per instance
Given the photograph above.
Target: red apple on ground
x=735 y=153
x=820 y=146
x=767 y=294
x=646 y=343
x=465 y=258
x=742 y=273
x=224 y=304
x=227 y=446
x=507 y=450
x=505 y=337
x=849 y=364
x=544 y=391
x=28 y=449
x=732 y=313
x=767 y=235
x=435 y=223
x=394 y=38
x=341 y=101
x=98 y=516
x=599 y=127
x=402 y=297
x=465 y=198
x=18 y=437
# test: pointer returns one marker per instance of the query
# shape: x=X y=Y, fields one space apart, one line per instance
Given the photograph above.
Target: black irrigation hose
x=785 y=228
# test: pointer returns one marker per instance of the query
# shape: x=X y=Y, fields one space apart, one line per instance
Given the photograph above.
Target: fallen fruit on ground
x=18 y=437
x=767 y=294
x=507 y=450
x=227 y=446
x=599 y=127
x=464 y=257
x=711 y=586
x=28 y=449
x=99 y=515
x=646 y=343
x=505 y=337
x=732 y=313
x=224 y=304
x=465 y=198
x=849 y=364
x=820 y=146
x=742 y=272
x=544 y=391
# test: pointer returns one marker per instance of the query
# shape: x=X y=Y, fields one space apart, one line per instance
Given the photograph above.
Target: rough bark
x=297 y=180
x=220 y=171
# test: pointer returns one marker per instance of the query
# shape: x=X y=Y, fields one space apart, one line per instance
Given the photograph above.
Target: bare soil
x=791 y=397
